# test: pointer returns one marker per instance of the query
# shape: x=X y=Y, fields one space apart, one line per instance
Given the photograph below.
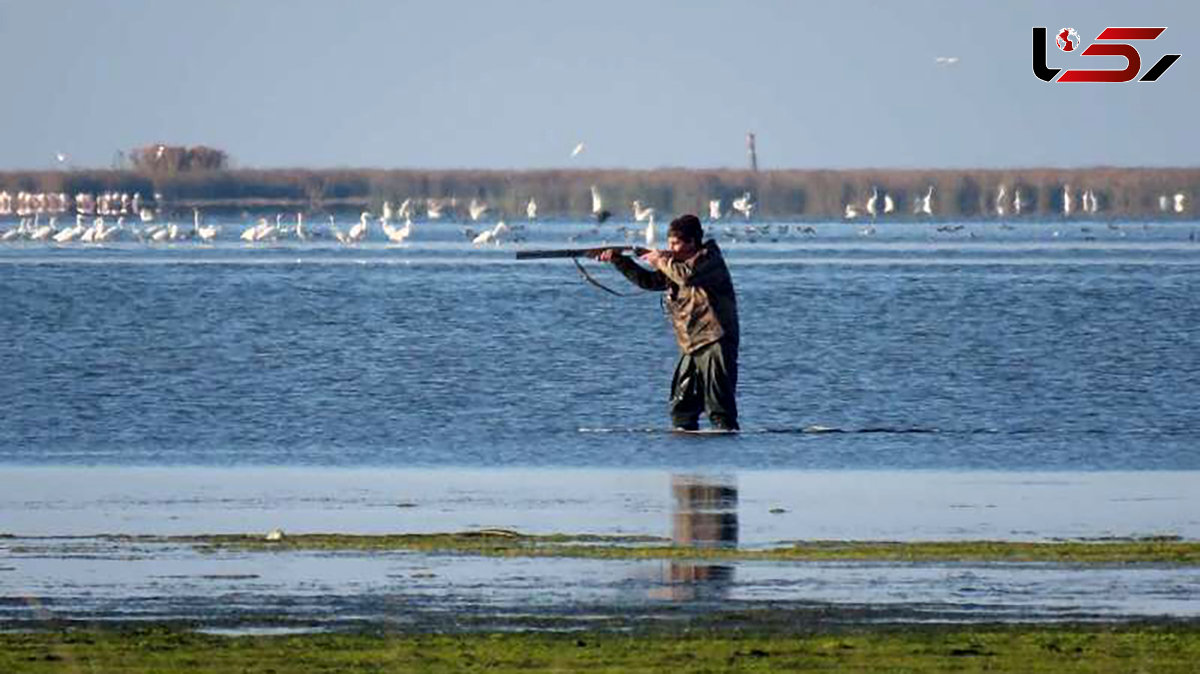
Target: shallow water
x=1025 y=383
x=1011 y=349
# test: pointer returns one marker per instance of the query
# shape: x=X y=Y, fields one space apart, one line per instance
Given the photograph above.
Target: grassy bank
x=1166 y=550
x=1135 y=648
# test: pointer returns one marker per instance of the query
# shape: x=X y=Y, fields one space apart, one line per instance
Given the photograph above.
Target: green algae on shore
x=1019 y=648
x=505 y=543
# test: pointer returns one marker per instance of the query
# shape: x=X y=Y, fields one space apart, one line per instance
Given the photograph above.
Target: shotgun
x=577 y=252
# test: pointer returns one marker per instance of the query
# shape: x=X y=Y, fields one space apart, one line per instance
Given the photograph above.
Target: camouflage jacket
x=700 y=297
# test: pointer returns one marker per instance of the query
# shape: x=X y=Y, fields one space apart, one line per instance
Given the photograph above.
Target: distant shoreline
x=1098 y=193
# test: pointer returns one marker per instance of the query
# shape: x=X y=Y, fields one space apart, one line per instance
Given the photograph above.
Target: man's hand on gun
x=604 y=254
x=651 y=257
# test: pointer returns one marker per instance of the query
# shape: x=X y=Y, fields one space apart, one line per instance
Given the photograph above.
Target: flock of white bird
x=1004 y=203
x=114 y=216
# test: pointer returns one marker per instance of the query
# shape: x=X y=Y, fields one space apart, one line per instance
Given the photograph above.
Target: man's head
x=684 y=235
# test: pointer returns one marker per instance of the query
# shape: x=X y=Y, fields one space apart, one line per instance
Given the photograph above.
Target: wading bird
x=640 y=212
x=924 y=205
x=598 y=211
x=744 y=205
x=714 y=209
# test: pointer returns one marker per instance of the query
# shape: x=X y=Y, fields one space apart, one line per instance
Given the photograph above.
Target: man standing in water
x=703 y=310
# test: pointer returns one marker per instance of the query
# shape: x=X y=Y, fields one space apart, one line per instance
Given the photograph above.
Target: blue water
x=1046 y=346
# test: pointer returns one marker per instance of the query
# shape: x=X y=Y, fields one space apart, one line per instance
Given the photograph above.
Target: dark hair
x=686 y=227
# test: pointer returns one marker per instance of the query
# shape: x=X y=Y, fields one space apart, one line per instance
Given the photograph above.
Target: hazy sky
x=645 y=84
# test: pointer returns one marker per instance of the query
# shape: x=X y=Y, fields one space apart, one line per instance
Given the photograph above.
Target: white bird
x=531 y=209
x=577 y=150
x=491 y=235
x=1017 y=203
x=598 y=211
x=398 y=234
x=1066 y=200
x=714 y=209
x=1180 y=202
x=651 y=235
x=744 y=205
x=888 y=204
x=871 y=201
x=1164 y=203
x=640 y=212
x=62 y=158
x=387 y=213
x=250 y=234
x=89 y=235
x=40 y=232
x=924 y=205
x=71 y=233
x=338 y=234
x=1000 y=194
x=946 y=60
x=406 y=209
x=359 y=232
x=851 y=212
x=477 y=208
x=433 y=208
x=301 y=233
x=206 y=233
x=108 y=233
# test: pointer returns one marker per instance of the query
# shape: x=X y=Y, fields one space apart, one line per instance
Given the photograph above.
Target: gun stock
x=545 y=254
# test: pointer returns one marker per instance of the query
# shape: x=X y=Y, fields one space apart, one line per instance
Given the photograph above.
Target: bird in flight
x=946 y=60
x=577 y=150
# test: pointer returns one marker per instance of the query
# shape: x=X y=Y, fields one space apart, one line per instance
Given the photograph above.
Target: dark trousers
x=706 y=381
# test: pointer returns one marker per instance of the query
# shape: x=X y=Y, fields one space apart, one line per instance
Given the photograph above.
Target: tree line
x=182 y=178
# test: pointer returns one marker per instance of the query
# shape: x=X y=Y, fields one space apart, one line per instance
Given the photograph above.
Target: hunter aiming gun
x=576 y=253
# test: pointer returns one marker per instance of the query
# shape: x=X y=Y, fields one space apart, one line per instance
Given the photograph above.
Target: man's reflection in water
x=705 y=516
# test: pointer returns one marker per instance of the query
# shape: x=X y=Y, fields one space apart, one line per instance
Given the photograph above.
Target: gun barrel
x=544 y=254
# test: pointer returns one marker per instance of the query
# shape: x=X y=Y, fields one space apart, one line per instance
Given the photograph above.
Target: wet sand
x=60 y=560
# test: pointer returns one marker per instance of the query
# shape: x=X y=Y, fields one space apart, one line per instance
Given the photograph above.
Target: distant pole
x=750 y=150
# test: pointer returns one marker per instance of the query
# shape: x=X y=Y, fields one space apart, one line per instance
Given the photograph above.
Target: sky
x=516 y=84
